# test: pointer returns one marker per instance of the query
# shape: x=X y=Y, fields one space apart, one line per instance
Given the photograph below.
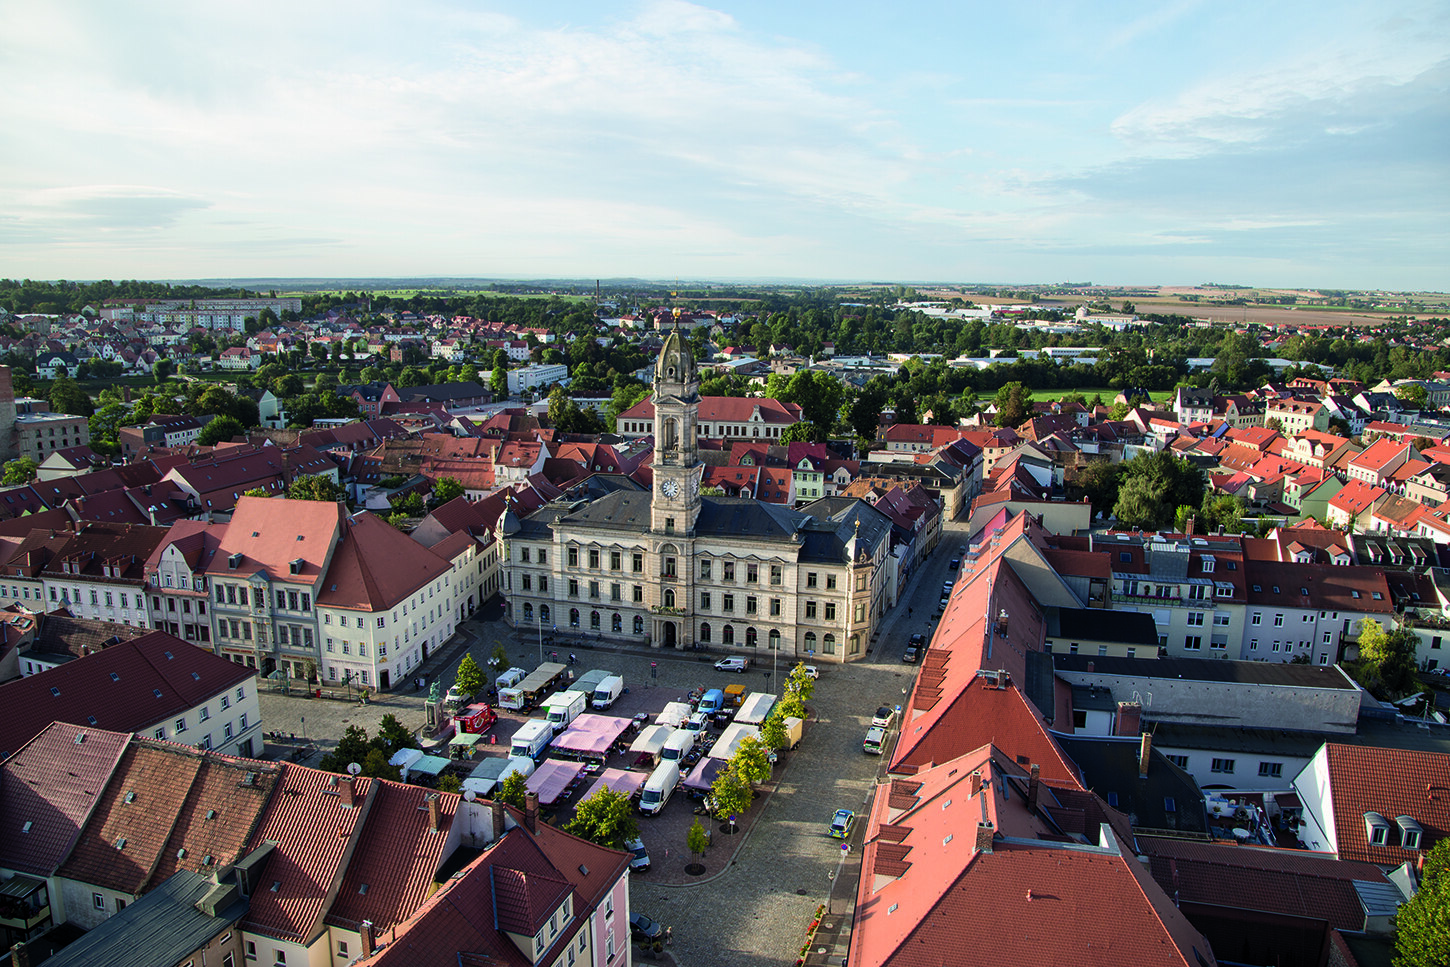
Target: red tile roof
x=392 y=872
x=313 y=831
x=269 y=533
x=117 y=687
x=377 y=567
x=48 y=790
x=1393 y=783
x=726 y=409
x=1281 y=882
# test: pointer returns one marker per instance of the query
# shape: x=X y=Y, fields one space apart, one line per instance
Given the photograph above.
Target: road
x=756 y=911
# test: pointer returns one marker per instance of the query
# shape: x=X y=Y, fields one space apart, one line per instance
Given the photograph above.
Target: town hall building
x=682 y=569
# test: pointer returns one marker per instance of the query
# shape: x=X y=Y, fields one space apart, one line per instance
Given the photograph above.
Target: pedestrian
x=669 y=936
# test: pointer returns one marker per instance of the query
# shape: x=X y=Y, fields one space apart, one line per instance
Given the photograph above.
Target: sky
x=1173 y=142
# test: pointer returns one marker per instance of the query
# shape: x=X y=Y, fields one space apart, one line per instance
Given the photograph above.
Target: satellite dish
x=470 y=796
x=353 y=768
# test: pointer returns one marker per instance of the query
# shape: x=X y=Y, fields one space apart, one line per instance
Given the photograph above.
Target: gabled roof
x=128 y=687
x=377 y=567
x=313 y=830
x=47 y=792
x=1393 y=783
x=269 y=533
x=398 y=856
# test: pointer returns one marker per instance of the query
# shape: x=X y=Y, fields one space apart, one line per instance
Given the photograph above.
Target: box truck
x=532 y=738
x=659 y=787
x=563 y=708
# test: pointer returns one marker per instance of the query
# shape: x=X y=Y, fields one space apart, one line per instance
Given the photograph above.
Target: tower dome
x=675 y=364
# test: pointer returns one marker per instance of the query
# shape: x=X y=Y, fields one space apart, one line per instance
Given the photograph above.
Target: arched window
x=528 y=612
x=751 y=638
x=616 y=624
x=573 y=617
x=774 y=639
x=669 y=597
x=705 y=632
x=810 y=642
x=638 y=625
x=594 y=620
x=828 y=645
x=543 y=614
x=728 y=635
x=672 y=434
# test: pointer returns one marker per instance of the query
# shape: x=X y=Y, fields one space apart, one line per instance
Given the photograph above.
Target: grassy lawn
x=1044 y=395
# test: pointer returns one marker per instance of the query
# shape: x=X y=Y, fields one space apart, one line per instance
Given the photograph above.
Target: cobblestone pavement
x=763 y=885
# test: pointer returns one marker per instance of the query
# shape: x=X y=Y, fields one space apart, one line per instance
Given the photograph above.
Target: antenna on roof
x=353 y=768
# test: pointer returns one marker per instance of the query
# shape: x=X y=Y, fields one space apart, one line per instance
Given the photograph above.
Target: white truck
x=607 y=692
x=510 y=678
x=532 y=738
x=674 y=714
x=563 y=708
x=679 y=744
x=659 y=787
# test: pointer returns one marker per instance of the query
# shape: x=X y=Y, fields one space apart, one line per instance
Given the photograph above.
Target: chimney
x=531 y=811
x=19 y=956
x=435 y=812
x=347 y=791
x=1145 y=748
x=984 y=837
x=1034 y=785
x=1091 y=665
x=365 y=938
x=976 y=784
x=1188 y=526
x=498 y=815
x=1130 y=716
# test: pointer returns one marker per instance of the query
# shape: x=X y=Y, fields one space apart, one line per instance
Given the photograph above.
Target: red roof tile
x=377 y=566
x=48 y=790
x=1393 y=783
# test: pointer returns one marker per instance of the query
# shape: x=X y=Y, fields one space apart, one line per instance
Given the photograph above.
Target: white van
x=679 y=744
x=659 y=787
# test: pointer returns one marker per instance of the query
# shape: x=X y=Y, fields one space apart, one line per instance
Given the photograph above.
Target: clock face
x=694 y=485
x=669 y=488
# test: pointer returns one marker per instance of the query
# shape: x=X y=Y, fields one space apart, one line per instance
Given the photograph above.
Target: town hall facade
x=682 y=569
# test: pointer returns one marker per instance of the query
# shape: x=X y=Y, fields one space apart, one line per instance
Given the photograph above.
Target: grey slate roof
x=157 y=930
x=1209 y=670
x=1110 y=768
x=1103 y=624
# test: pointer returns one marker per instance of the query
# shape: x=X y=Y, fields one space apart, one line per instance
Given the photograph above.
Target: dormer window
x=1376 y=829
x=1411 y=835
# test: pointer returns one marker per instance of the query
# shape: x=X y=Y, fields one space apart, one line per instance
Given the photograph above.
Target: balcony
x=1143 y=600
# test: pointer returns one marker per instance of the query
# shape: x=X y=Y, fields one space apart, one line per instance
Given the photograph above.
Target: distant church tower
x=675 y=504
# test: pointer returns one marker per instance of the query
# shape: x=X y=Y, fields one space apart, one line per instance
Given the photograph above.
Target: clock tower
x=675 y=504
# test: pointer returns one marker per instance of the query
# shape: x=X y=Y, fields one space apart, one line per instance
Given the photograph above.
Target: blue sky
x=1178 y=142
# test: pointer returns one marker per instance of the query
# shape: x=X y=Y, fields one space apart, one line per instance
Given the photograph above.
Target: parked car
x=642 y=926
x=912 y=653
x=954 y=563
x=919 y=639
x=457 y=697
x=812 y=671
x=885 y=717
x=842 y=823
x=875 y=741
x=640 y=863
x=736 y=664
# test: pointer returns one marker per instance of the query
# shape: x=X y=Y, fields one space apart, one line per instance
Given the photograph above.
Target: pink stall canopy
x=552 y=779
x=591 y=736
x=620 y=780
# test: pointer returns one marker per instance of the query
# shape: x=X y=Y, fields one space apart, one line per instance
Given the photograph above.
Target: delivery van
x=607 y=691
x=679 y=744
x=659 y=787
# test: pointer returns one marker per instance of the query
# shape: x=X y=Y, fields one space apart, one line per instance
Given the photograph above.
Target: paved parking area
x=762 y=887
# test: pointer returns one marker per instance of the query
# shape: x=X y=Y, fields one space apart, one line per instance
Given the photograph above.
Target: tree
x=1014 y=404
x=1099 y=481
x=1275 y=424
x=499 y=660
x=21 y=470
x=696 y=840
x=800 y=683
x=1140 y=504
x=394 y=735
x=220 y=430
x=498 y=382
x=1154 y=486
x=773 y=734
x=469 y=677
x=314 y=488
x=67 y=397
x=446 y=489
x=752 y=760
x=375 y=764
x=1387 y=659
x=1422 y=926
x=800 y=433
x=448 y=782
x=732 y=793
x=1413 y=394
x=513 y=790
x=605 y=818
x=258 y=492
